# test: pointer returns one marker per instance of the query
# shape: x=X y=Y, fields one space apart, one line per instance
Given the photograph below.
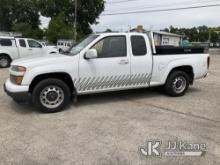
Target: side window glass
x=5 y=42
x=34 y=44
x=139 y=47
x=22 y=43
x=111 y=47
x=99 y=47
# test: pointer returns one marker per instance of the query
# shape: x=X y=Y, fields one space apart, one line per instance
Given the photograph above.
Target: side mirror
x=91 y=53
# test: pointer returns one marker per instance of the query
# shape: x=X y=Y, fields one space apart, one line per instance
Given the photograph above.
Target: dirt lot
x=108 y=129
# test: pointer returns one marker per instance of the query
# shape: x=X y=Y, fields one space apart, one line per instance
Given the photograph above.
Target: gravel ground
x=108 y=129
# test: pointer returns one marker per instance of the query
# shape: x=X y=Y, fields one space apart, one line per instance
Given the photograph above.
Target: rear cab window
x=138 y=44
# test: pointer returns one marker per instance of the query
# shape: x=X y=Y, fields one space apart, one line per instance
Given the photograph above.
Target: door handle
x=29 y=49
x=124 y=62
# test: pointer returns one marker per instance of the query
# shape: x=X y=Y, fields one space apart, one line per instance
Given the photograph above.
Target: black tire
x=39 y=101
x=5 y=61
x=174 y=80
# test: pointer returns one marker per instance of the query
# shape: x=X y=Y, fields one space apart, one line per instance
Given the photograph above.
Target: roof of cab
x=6 y=37
x=118 y=33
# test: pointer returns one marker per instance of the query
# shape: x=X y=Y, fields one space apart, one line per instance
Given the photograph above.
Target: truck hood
x=42 y=60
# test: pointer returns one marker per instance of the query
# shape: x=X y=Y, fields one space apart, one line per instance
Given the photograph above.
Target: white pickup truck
x=102 y=63
x=13 y=48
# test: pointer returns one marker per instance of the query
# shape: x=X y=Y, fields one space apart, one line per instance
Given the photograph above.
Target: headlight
x=20 y=69
x=17 y=74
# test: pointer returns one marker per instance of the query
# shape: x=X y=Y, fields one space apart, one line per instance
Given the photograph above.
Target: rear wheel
x=4 y=61
x=51 y=95
x=177 y=84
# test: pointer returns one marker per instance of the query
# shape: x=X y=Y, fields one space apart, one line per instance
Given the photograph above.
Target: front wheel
x=4 y=61
x=51 y=95
x=177 y=83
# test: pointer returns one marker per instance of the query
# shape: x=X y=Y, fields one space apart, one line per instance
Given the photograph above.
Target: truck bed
x=171 y=50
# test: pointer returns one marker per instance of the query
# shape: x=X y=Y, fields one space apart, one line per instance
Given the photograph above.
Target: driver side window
x=34 y=44
x=111 y=47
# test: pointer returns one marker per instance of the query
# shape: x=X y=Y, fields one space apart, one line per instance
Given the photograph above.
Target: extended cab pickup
x=102 y=63
x=13 y=48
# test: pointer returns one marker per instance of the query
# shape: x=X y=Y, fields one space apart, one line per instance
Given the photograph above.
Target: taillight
x=208 y=61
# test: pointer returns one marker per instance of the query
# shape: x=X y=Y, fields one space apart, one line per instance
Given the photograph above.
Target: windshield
x=82 y=44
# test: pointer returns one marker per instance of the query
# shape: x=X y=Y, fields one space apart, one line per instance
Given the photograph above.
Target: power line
x=189 y=2
x=126 y=1
x=122 y=1
x=161 y=10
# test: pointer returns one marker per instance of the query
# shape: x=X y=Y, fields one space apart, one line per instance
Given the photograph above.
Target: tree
x=195 y=34
x=18 y=11
x=6 y=14
x=27 y=30
x=108 y=31
x=203 y=33
x=166 y=30
x=88 y=11
x=20 y=16
x=59 y=29
x=27 y=12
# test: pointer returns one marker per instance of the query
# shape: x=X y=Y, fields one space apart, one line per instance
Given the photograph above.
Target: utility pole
x=210 y=31
x=75 y=21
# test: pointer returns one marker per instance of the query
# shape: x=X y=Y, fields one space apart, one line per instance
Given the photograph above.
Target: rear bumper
x=16 y=92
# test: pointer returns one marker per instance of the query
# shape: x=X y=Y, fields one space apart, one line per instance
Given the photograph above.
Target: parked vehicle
x=13 y=48
x=102 y=63
x=64 y=45
x=49 y=46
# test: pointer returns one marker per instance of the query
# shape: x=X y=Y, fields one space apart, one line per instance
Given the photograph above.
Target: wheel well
x=187 y=69
x=52 y=52
x=62 y=76
x=4 y=54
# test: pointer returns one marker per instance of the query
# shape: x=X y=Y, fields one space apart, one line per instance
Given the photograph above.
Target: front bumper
x=16 y=92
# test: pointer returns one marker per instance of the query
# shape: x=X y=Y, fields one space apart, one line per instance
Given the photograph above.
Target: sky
x=155 y=20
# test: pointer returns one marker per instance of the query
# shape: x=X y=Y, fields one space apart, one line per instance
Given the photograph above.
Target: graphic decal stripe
x=105 y=82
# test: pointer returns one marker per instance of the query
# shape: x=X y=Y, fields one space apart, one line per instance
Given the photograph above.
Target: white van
x=64 y=45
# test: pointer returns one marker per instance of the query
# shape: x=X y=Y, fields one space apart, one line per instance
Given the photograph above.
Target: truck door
x=22 y=47
x=35 y=48
x=110 y=70
x=141 y=60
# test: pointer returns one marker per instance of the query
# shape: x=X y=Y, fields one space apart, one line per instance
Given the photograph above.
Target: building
x=166 y=39
x=10 y=34
x=162 y=38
